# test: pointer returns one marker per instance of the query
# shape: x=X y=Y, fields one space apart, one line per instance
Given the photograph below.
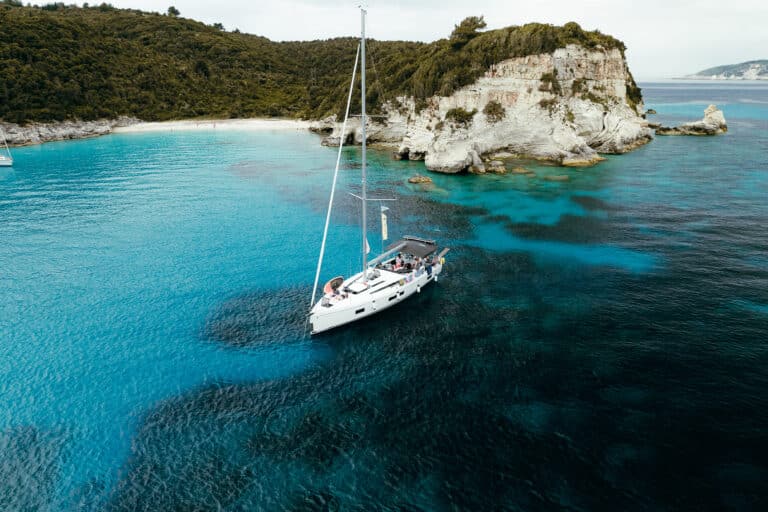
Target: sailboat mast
x=363 y=123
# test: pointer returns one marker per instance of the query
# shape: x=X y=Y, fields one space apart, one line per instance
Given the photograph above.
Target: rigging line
x=335 y=175
x=378 y=81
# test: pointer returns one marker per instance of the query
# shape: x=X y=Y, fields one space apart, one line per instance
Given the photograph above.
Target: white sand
x=217 y=124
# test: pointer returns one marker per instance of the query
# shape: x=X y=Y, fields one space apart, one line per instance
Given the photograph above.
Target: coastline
x=251 y=124
x=40 y=133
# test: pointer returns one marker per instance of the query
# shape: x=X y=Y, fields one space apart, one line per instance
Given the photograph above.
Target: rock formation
x=496 y=167
x=712 y=124
x=419 y=179
x=37 y=133
x=566 y=107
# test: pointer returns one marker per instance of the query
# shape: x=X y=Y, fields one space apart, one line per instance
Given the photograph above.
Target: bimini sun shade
x=418 y=247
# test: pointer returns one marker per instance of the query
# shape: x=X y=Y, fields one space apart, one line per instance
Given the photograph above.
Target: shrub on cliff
x=548 y=104
x=460 y=116
x=549 y=83
x=634 y=95
x=579 y=85
x=494 y=111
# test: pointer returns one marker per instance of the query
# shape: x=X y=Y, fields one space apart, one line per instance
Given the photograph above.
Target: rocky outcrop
x=568 y=107
x=712 y=124
x=37 y=133
x=419 y=179
x=496 y=167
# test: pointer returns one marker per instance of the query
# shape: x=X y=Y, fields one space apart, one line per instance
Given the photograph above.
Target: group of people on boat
x=338 y=295
x=408 y=265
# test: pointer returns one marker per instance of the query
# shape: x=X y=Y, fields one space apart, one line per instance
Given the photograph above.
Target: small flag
x=367 y=247
x=384 y=233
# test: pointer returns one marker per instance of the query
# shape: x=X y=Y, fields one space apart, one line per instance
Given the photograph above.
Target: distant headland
x=750 y=70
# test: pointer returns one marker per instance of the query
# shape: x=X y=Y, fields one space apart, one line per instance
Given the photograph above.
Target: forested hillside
x=64 y=62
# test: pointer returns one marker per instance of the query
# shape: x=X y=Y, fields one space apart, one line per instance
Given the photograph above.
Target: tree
x=172 y=11
x=466 y=30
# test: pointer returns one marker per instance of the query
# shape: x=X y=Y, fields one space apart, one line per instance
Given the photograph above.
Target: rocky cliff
x=566 y=106
x=37 y=133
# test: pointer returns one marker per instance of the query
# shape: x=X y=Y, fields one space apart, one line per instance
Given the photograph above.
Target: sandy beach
x=217 y=124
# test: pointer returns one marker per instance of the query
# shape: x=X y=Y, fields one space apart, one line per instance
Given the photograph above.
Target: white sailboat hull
x=5 y=161
x=385 y=291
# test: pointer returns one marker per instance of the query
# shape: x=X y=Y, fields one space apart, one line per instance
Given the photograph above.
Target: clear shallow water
x=595 y=344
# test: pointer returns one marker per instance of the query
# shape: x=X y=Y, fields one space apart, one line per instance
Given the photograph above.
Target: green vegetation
x=63 y=62
x=421 y=104
x=460 y=116
x=494 y=111
x=634 y=95
x=549 y=83
x=465 y=31
x=579 y=85
x=594 y=98
x=548 y=104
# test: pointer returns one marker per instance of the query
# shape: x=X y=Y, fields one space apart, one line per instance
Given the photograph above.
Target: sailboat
x=6 y=160
x=401 y=271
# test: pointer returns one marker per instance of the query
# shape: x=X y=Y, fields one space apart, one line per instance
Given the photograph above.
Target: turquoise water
x=597 y=343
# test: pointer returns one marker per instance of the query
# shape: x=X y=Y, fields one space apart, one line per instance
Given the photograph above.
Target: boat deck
x=393 y=273
x=402 y=271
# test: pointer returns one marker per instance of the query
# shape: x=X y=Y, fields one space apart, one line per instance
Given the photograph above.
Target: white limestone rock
x=713 y=123
x=37 y=133
x=590 y=115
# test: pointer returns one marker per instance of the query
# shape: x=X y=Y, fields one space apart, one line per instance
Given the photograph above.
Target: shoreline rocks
x=522 y=171
x=419 y=179
x=38 y=133
x=496 y=167
x=558 y=177
x=713 y=123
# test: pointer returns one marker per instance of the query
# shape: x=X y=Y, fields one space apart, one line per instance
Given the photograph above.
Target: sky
x=664 y=38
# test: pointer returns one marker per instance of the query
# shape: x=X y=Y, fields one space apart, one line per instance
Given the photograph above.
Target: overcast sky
x=665 y=38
